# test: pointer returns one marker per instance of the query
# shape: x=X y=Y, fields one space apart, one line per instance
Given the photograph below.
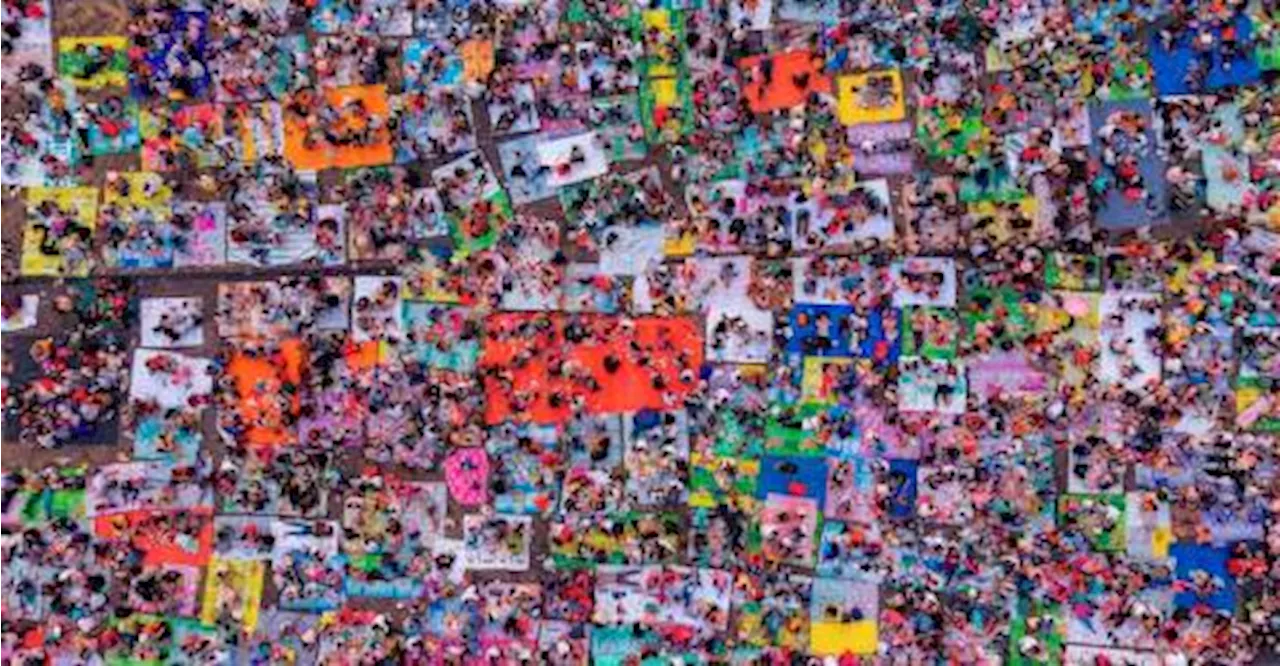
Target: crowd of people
x=622 y=332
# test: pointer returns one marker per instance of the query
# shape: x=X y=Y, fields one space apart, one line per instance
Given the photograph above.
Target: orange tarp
x=364 y=355
x=259 y=383
x=322 y=155
x=782 y=92
x=630 y=387
x=151 y=531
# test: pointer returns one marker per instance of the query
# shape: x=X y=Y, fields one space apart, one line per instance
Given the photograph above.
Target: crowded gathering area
x=641 y=332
